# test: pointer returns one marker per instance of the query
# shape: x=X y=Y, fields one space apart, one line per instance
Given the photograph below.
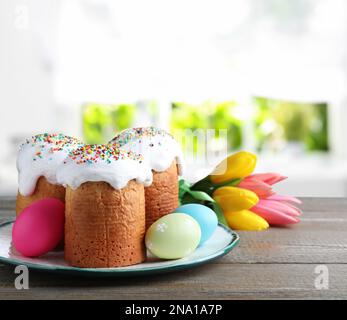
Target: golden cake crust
x=105 y=227
x=162 y=194
x=43 y=190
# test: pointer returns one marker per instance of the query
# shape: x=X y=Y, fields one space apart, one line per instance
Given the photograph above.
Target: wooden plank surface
x=277 y=263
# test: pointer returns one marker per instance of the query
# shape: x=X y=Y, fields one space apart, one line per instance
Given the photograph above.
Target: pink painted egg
x=39 y=228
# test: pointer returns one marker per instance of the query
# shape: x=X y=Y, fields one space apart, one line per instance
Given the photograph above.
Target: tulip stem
x=207 y=186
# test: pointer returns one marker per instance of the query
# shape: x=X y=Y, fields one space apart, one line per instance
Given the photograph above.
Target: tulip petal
x=238 y=165
x=269 y=178
x=262 y=189
x=281 y=206
x=235 y=199
x=245 y=220
x=278 y=197
x=296 y=209
x=273 y=216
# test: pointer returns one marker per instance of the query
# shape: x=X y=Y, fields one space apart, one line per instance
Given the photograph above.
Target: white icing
x=115 y=172
x=40 y=158
x=157 y=146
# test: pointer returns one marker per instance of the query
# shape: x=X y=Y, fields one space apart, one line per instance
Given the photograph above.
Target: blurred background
x=273 y=73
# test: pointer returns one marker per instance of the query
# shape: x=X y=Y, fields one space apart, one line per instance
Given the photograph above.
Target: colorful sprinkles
x=52 y=143
x=133 y=134
x=93 y=153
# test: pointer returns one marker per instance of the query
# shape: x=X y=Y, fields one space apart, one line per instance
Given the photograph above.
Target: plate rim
x=123 y=272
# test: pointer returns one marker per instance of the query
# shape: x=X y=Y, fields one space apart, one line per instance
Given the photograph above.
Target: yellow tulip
x=235 y=199
x=245 y=220
x=238 y=165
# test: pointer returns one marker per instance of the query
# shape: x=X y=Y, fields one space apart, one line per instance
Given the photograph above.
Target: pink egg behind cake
x=39 y=228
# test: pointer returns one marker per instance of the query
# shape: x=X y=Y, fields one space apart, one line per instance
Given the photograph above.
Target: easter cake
x=104 y=206
x=164 y=157
x=38 y=160
x=102 y=199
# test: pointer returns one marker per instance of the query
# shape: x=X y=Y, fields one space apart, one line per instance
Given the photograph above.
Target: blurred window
x=283 y=125
x=101 y=121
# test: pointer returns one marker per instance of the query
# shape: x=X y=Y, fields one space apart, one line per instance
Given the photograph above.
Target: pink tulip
x=268 y=178
x=275 y=209
x=277 y=212
x=261 y=183
x=277 y=197
x=262 y=189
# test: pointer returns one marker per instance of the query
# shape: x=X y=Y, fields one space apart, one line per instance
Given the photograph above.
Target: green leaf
x=188 y=198
x=204 y=185
x=231 y=183
x=209 y=187
x=186 y=195
x=220 y=214
x=183 y=188
x=200 y=195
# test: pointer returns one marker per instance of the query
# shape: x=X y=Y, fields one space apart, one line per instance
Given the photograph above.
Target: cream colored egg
x=173 y=236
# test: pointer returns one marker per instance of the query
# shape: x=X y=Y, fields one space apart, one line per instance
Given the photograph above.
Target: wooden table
x=277 y=263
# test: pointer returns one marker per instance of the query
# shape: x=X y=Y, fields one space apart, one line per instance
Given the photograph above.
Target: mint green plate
x=221 y=242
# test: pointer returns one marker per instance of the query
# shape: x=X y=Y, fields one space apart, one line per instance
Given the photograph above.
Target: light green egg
x=173 y=236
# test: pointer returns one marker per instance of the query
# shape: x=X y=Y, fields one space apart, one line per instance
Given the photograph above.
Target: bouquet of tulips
x=242 y=200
